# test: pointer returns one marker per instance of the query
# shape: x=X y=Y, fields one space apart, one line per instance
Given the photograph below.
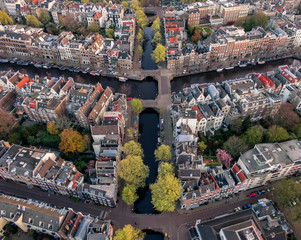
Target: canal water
x=148 y=121
x=146 y=89
x=147 y=62
x=152 y=235
x=178 y=83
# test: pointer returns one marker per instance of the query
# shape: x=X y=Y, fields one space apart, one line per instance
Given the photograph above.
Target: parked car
x=259 y=192
x=246 y=206
x=253 y=194
x=129 y=99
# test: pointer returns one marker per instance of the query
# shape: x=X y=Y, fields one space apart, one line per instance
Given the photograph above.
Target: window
x=41 y=224
x=11 y=215
x=30 y=220
x=3 y=212
x=50 y=226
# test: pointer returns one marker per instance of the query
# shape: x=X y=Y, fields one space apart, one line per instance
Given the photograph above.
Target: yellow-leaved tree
x=73 y=141
x=128 y=232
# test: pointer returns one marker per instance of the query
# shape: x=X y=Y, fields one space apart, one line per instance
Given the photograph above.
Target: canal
x=133 y=87
x=152 y=235
x=148 y=121
x=147 y=62
x=178 y=83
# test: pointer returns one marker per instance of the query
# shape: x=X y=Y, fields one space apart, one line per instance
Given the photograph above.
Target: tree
x=157 y=38
x=53 y=29
x=43 y=16
x=136 y=106
x=225 y=157
x=253 y=135
x=156 y=26
x=129 y=233
x=5 y=19
x=135 y=5
x=277 y=134
x=165 y=169
x=235 y=146
x=45 y=139
x=159 y=53
x=165 y=192
x=110 y=32
x=141 y=18
x=236 y=126
x=64 y=123
x=130 y=133
x=6 y=122
x=197 y=36
x=140 y=35
x=72 y=141
x=287 y=117
x=255 y=20
x=129 y=195
x=125 y=4
x=246 y=123
x=133 y=171
x=298 y=131
x=32 y=21
x=133 y=148
x=202 y=146
x=139 y=51
x=52 y=129
x=71 y=23
x=93 y=27
x=163 y=153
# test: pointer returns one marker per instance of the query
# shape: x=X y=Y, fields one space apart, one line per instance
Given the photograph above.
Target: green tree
x=72 y=141
x=165 y=192
x=235 y=146
x=129 y=233
x=32 y=21
x=43 y=16
x=197 y=36
x=125 y=4
x=202 y=146
x=163 y=153
x=246 y=123
x=277 y=134
x=159 y=53
x=5 y=19
x=136 y=105
x=133 y=148
x=133 y=171
x=141 y=18
x=157 y=38
x=129 y=195
x=140 y=35
x=253 y=135
x=139 y=51
x=156 y=26
x=135 y=5
x=110 y=32
x=166 y=169
x=298 y=131
x=93 y=27
x=64 y=123
x=53 y=29
x=236 y=126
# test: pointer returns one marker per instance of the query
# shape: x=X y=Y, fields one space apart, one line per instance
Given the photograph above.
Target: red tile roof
x=241 y=176
x=235 y=168
x=266 y=82
x=97 y=15
x=23 y=82
x=200 y=116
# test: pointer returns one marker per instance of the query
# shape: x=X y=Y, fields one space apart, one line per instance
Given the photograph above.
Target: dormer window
x=41 y=224
x=30 y=221
x=50 y=226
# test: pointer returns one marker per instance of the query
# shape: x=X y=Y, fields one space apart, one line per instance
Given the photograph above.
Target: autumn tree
x=140 y=35
x=165 y=192
x=139 y=51
x=277 y=134
x=5 y=19
x=72 y=141
x=93 y=27
x=253 y=135
x=133 y=171
x=125 y=4
x=132 y=148
x=166 y=168
x=159 y=53
x=125 y=89
x=71 y=23
x=129 y=194
x=157 y=38
x=129 y=233
x=197 y=36
x=130 y=133
x=225 y=157
x=110 y=32
x=156 y=26
x=286 y=117
x=202 y=146
x=141 y=18
x=43 y=16
x=32 y=21
x=6 y=122
x=52 y=129
x=235 y=146
x=163 y=153
x=136 y=105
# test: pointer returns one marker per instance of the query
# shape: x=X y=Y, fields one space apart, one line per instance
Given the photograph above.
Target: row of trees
x=259 y=19
x=159 y=53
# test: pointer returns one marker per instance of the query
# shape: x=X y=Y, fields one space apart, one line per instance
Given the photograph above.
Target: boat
x=122 y=79
x=46 y=66
x=92 y=73
x=20 y=63
x=25 y=63
x=241 y=64
x=38 y=65
x=261 y=62
x=4 y=60
x=219 y=69
x=230 y=67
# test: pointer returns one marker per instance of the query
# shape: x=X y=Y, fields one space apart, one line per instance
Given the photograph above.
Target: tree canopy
x=5 y=19
x=32 y=21
x=156 y=26
x=129 y=195
x=6 y=122
x=236 y=126
x=166 y=169
x=133 y=148
x=163 y=153
x=110 y=32
x=165 y=192
x=202 y=146
x=141 y=18
x=157 y=38
x=235 y=146
x=128 y=232
x=125 y=4
x=253 y=135
x=43 y=16
x=133 y=171
x=159 y=53
x=52 y=129
x=277 y=134
x=72 y=141
x=93 y=27
x=225 y=157
x=287 y=118
x=255 y=20
x=136 y=105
